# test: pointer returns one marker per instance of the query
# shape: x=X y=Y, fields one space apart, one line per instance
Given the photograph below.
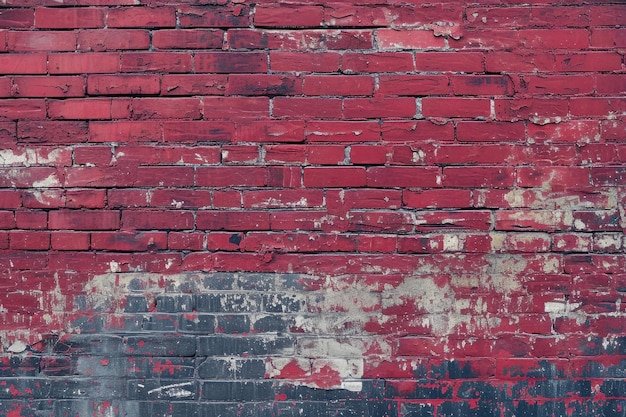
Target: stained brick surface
x=308 y=208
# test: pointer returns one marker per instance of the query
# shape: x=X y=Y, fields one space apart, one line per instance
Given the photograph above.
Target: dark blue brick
x=162 y=389
x=300 y=409
x=90 y=323
x=272 y=323
x=159 y=322
x=136 y=304
x=90 y=344
x=169 y=368
x=169 y=303
x=422 y=389
x=237 y=391
x=614 y=388
x=483 y=390
x=196 y=323
x=174 y=409
x=554 y=388
x=464 y=409
x=257 y=282
x=417 y=410
x=228 y=303
x=16 y=388
x=371 y=389
x=221 y=281
x=57 y=366
x=87 y=388
x=13 y=365
x=232 y=323
x=614 y=408
x=255 y=346
x=211 y=368
x=282 y=303
x=166 y=345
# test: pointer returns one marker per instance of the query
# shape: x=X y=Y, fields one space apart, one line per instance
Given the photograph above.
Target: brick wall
x=306 y=208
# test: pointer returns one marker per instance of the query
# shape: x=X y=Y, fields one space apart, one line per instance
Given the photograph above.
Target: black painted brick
x=273 y=323
x=232 y=323
x=255 y=346
x=174 y=303
x=237 y=391
x=211 y=368
x=196 y=323
x=282 y=303
x=228 y=303
x=166 y=345
x=159 y=322
x=417 y=410
x=136 y=304
x=162 y=389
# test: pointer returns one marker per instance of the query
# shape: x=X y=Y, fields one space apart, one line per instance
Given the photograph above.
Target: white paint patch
x=173 y=390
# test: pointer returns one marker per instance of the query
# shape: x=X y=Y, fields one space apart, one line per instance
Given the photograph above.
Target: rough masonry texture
x=303 y=208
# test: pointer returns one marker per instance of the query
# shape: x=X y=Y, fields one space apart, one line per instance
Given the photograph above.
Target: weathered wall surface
x=306 y=208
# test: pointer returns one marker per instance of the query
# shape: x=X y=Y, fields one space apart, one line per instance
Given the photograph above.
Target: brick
x=317 y=108
x=47 y=132
x=125 y=131
x=553 y=177
x=31 y=219
x=219 y=17
x=478 y=177
x=334 y=177
x=84 y=220
x=187 y=39
x=86 y=198
x=41 y=41
x=413 y=85
x=319 y=85
x=481 y=85
x=230 y=62
x=233 y=220
x=112 y=39
x=303 y=40
x=129 y=242
x=49 y=87
x=554 y=39
x=198 y=131
x=519 y=62
x=408 y=39
x=304 y=62
x=181 y=198
x=15 y=109
x=403 y=177
x=23 y=240
x=123 y=85
x=449 y=61
x=176 y=62
x=35 y=63
x=610 y=84
x=240 y=107
x=436 y=198
x=596 y=106
x=192 y=84
x=339 y=131
x=126 y=17
x=167 y=108
x=490 y=132
x=590 y=61
x=455 y=107
x=231 y=176
x=558 y=84
x=71 y=18
x=537 y=111
x=85 y=63
x=263 y=84
x=154 y=220
x=377 y=62
x=80 y=109
x=17 y=18
x=421 y=130
x=304 y=16
x=271 y=131
x=359 y=108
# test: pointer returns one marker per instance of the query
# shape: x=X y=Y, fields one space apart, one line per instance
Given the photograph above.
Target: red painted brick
x=403 y=177
x=476 y=177
x=304 y=62
x=413 y=85
x=69 y=18
x=23 y=109
x=156 y=62
x=23 y=240
x=167 y=108
x=187 y=39
x=84 y=63
x=421 y=130
x=157 y=220
x=85 y=198
x=193 y=84
x=334 y=177
x=230 y=62
x=558 y=84
x=81 y=109
x=84 y=220
x=437 y=198
x=409 y=39
x=241 y=107
x=229 y=16
x=17 y=18
x=271 y=131
x=104 y=85
x=590 y=61
x=374 y=108
x=455 y=107
x=233 y=220
x=352 y=62
x=113 y=40
x=34 y=63
x=41 y=41
x=316 y=108
x=490 y=132
x=303 y=16
x=338 y=85
x=124 y=131
x=128 y=17
x=263 y=84
x=449 y=61
x=69 y=241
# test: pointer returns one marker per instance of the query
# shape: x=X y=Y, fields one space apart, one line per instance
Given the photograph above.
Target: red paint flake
x=167 y=366
x=281 y=397
x=104 y=362
x=14 y=391
x=141 y=343
x=16 y=412
x=326 y=377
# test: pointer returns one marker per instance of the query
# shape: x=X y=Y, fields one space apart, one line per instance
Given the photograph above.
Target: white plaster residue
x=173 y=390
x=50 y=181
x=177 y=204
x=17 y=347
